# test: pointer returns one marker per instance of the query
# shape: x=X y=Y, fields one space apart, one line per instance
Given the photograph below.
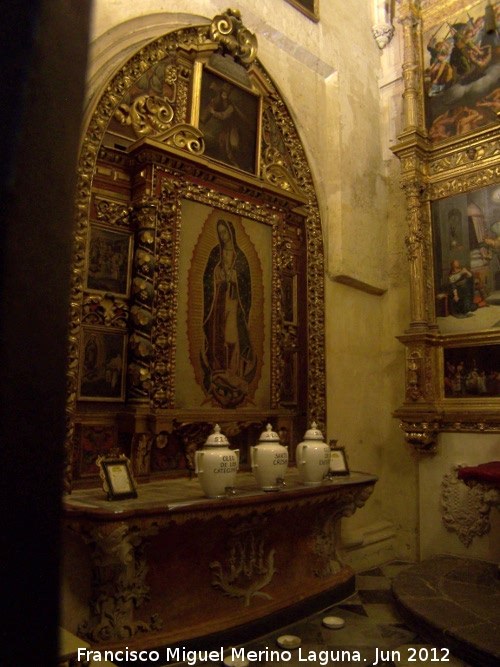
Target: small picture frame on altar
x=338 y=461
x=117 y=479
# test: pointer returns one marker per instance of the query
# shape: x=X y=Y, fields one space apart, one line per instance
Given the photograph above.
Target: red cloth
x=484 y=472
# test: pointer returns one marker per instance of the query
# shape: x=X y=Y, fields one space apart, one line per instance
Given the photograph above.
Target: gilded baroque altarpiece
x=197 y=290
x=450 y=164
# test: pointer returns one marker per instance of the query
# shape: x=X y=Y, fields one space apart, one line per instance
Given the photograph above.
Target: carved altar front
x=172 y=566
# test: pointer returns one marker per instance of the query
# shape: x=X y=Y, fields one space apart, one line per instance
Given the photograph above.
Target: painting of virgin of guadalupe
x=228 y=359
x=223 y=338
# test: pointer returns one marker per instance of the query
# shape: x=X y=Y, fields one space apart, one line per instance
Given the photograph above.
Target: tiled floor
x=373 y=634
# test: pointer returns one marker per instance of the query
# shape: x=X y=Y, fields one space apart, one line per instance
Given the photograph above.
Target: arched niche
x=192 y=176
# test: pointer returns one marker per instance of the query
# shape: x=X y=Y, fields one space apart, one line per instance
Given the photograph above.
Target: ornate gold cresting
x=281 y=186
x=431 y=171
x=228 y=30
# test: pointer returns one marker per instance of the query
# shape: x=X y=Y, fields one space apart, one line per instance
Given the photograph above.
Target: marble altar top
x=184 y=494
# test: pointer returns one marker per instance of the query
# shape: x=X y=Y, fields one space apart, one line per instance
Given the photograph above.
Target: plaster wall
x=344 y=94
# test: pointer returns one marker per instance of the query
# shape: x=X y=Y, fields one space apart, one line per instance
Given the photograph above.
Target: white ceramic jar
x=313 y=457
x=269 y=459
x=217 y=465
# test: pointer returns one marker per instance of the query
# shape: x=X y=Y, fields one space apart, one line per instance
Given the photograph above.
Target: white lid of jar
x=269 y=435
x=217 y=439
x=313 y=433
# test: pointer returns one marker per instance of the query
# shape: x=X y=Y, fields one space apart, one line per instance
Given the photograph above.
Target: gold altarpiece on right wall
x=450 y=164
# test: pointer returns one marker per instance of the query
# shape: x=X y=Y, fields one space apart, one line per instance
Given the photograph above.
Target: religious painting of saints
x=223 y=348
x=472 y=371
x=462 y=71
x=229 y=118
x=466 y=230
x=102 y=361
x=109 y=261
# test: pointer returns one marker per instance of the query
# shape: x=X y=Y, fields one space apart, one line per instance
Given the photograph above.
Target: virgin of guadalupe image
x=227 y=359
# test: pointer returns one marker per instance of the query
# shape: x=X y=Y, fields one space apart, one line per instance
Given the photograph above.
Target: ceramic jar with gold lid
x=217 y=465
x=313 y=457
x=269 y=459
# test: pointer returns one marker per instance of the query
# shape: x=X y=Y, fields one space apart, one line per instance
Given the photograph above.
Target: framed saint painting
x=466 y=231
x=109 y=261
x=229 y=117
x=102 y=365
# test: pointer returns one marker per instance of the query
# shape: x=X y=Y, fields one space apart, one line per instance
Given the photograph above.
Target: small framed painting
x=338 y=461
x=109 y=261
x=102 y=366
x=118 y=482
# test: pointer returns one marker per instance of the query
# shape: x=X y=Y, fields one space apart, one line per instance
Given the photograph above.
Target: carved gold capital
x=422 y=436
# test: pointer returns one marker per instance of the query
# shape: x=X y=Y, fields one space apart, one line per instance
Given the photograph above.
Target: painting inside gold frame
x=472 y=371
x=229 y=118
x=109 y=253
x=462 y=71
x=224 y=311
x=466 y=230
x=102 y=376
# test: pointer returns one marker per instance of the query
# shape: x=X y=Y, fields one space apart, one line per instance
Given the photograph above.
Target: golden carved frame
x=168 y=141
x=430 y=172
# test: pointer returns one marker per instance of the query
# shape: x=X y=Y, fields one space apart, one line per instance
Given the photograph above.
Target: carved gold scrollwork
x=105 y=310
x=228 y=30
x=277 y=175
x=112 y=212
x=147 y=115
x=184 y=136
x=277 y=168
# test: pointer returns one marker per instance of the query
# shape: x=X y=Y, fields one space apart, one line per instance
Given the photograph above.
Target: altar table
x=171 y=565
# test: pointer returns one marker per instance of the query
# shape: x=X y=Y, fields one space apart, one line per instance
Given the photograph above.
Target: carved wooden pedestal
x=172 y=566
